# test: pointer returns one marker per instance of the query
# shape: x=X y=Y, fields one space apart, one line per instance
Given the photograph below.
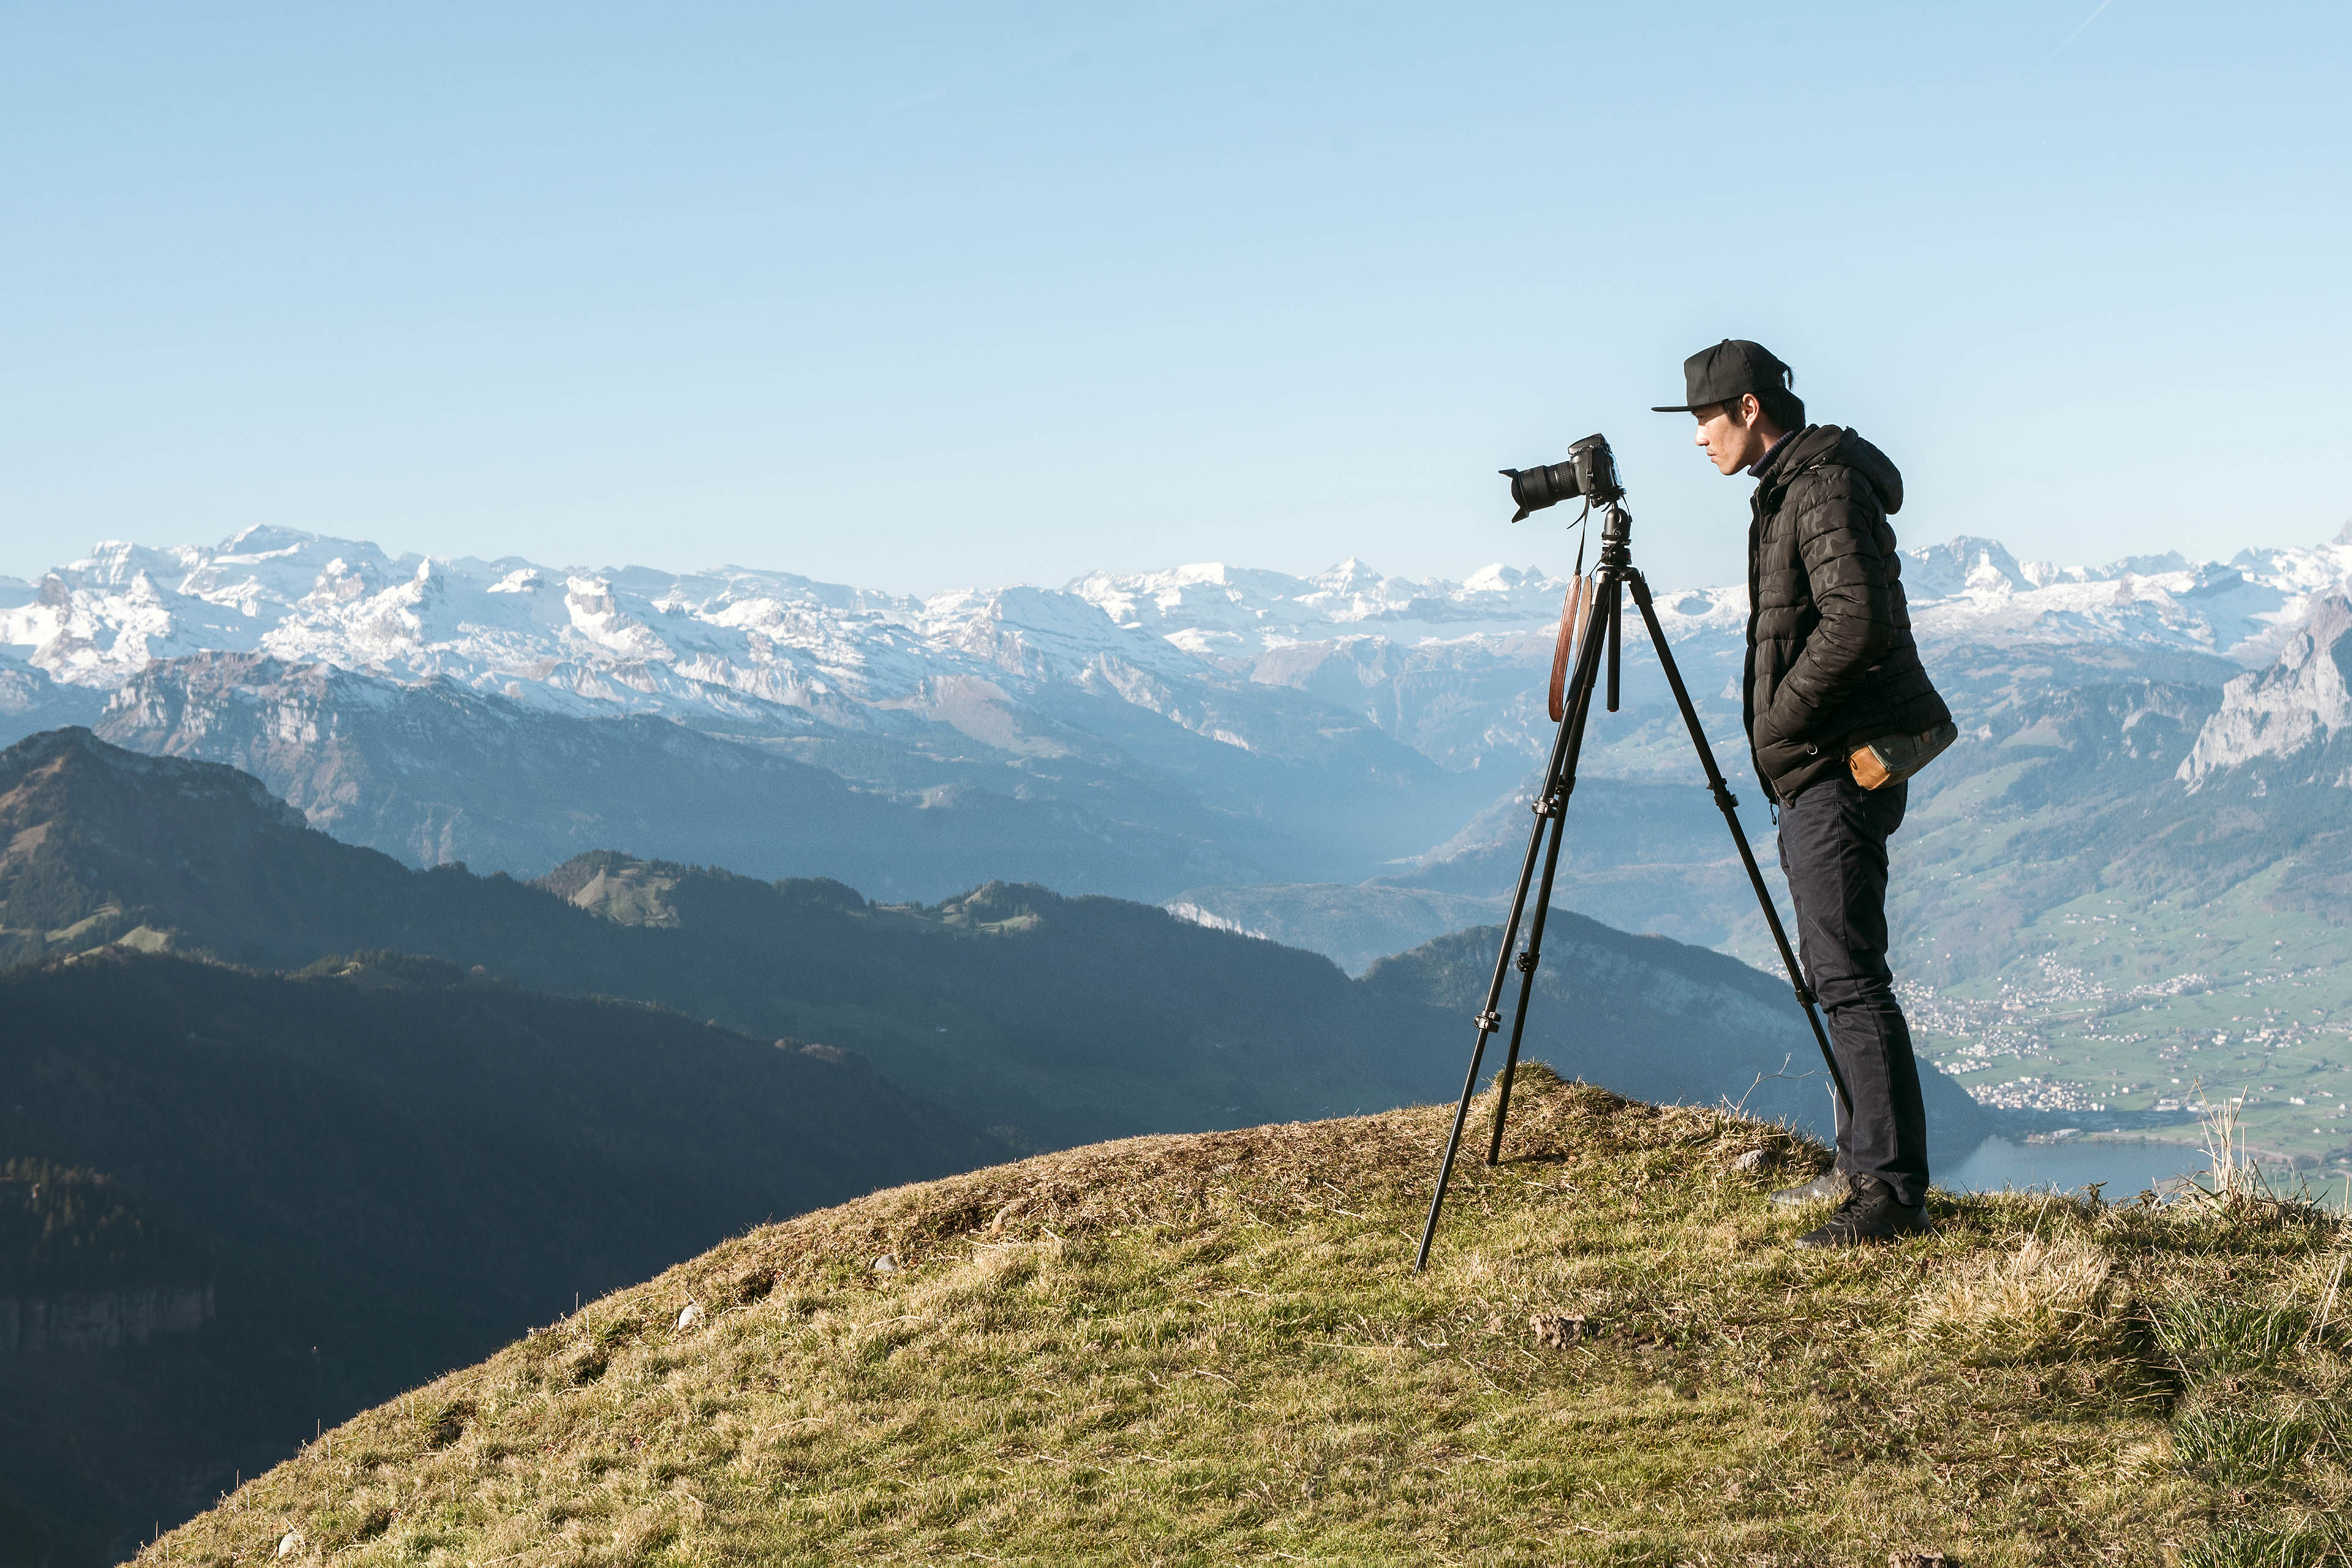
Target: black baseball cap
x=1726 y=372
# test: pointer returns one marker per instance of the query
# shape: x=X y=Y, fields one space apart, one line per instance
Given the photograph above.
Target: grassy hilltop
x=1210 y=1348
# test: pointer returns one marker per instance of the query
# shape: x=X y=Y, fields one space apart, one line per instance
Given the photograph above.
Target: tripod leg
x=1579 y=709
x=1454 y=1142
x=1489 y=1020
x=1724 y=799
x=1616 y=637
x=1528 y=961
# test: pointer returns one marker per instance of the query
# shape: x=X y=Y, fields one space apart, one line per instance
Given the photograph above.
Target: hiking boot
x=1869 y=1213
x=1830 y=1184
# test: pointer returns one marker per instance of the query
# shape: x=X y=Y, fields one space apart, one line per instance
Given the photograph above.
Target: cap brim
x=1679 y=409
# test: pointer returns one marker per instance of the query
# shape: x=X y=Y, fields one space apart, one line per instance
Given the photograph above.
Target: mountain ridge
x=1140 y=733
x=760 y=651
x=992 y=1001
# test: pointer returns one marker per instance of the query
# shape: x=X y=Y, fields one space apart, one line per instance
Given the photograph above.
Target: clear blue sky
x=923 y=296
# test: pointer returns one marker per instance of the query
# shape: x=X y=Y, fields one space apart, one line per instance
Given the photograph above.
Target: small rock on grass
x=1754 y=1160
x=290 y=1543
x=1918 y=1560
x=887 y=1264
x=691 y=1315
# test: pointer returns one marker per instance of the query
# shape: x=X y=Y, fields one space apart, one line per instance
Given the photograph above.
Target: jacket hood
x=1820 y=444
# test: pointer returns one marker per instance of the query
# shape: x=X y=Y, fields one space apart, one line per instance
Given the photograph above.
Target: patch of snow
x=745 y=651
x=1185 y=909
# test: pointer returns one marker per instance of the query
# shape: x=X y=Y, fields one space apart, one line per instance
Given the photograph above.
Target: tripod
x=1601 y=626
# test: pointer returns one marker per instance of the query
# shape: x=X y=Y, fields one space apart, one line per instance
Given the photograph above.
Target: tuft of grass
x=2045 y=1300
x=2240 y=1448
x=334 y=1527
x=2216 y=1335
x=445 y=1422
x=1213 y=1348
x=2317 y=1542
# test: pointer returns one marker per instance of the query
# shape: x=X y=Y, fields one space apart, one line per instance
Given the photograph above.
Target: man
x=1832 y=667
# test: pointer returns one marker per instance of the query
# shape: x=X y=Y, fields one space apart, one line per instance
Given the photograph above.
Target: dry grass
x=1210 y=1349
x=2045 y=1301
x=2235 y=1177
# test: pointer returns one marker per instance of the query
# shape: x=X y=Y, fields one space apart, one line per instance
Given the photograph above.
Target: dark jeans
x=1834 y=847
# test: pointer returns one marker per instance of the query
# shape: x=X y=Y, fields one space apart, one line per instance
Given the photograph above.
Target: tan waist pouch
x=1891 y=759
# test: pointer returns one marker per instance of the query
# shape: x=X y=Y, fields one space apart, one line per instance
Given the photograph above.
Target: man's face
x=1729 y=433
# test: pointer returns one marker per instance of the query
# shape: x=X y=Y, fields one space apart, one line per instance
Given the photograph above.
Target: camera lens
x=1538 y=488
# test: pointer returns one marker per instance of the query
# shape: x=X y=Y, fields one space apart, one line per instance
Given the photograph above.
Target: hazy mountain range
x=1341 y=761
x=1143 y=734
x=1053 y=1020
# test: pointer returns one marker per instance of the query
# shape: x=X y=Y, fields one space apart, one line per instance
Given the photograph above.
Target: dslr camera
x=1589 y=471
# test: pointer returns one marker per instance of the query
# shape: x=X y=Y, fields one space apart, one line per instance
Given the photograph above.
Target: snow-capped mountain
x=2295 y=706
x=725 y=645
x=761 y=652
x=1229 y=613
x=730 y=650
x=1307 y=727
x=755 y=650
x=2242 y=609
x=1113 y=738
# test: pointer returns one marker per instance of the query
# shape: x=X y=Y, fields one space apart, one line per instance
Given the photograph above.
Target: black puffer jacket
x=1831 y=663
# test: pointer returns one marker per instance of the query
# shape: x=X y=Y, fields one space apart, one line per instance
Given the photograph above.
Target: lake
x=2126 y=1169
x=2071 y=1164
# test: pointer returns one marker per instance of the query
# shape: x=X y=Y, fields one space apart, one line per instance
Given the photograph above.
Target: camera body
x=1590 y=470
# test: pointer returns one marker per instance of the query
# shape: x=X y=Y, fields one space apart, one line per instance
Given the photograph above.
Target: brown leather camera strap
x=1573 y=610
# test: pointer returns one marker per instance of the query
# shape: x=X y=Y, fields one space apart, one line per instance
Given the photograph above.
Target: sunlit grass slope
x=1211 y=1348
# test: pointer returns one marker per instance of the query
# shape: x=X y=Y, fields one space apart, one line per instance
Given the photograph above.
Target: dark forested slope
x=302 y=1193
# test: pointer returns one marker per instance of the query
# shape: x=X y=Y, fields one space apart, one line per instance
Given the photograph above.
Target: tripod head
x=1616 y=539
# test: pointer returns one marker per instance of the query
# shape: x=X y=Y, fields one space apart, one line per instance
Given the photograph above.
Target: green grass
x=1211 y=1348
